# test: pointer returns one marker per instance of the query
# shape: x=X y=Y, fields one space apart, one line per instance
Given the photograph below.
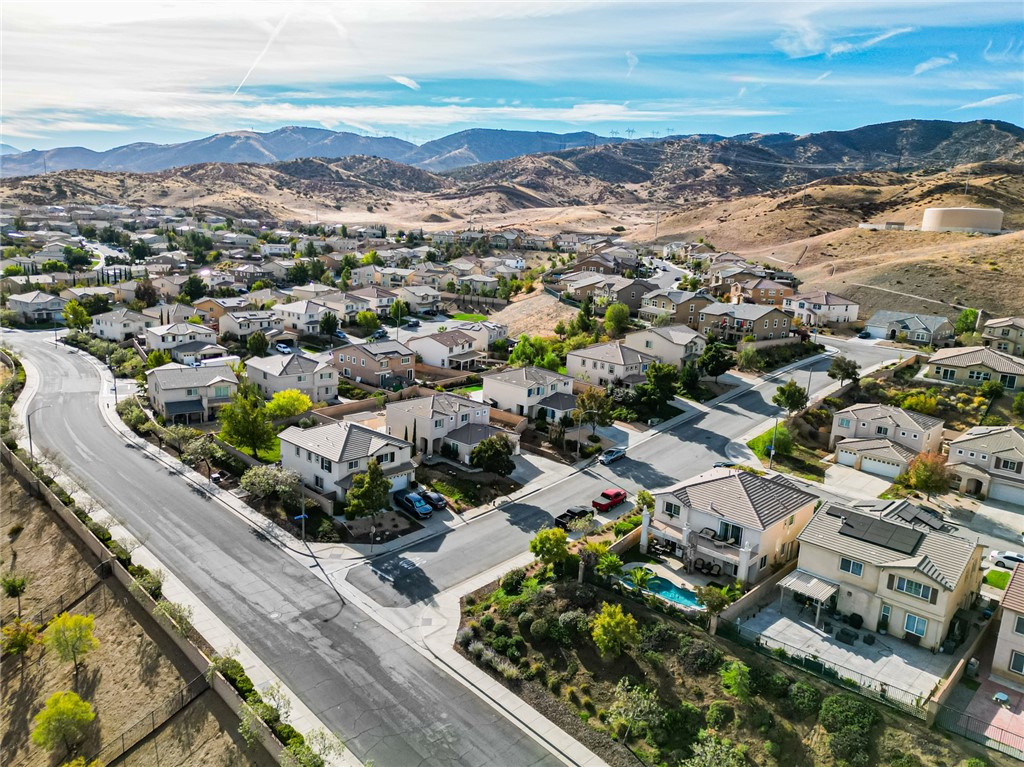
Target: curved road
x=389 y=703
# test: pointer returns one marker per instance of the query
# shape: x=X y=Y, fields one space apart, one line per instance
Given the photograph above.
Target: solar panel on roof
x=880 y=533
x=917 y=514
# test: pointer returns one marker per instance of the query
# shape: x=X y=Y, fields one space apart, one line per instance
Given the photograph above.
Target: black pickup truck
x=571 y=515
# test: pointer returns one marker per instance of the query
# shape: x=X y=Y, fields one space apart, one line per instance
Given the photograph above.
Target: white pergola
x=818 y=590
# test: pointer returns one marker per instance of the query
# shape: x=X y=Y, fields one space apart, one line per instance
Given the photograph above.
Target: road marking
x=381 y=574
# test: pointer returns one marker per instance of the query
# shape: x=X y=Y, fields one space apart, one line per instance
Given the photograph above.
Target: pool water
x=673 y=593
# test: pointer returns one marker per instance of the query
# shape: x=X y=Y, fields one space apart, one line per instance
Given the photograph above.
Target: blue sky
x=102 y=74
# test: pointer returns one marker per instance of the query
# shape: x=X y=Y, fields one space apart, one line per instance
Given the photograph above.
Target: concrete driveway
x=858 y=484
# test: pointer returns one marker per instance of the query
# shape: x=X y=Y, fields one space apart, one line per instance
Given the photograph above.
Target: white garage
x=881 y=468
x=999 y=491
x=846 y=458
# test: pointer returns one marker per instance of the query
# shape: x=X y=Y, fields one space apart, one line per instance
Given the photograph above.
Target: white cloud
x=822 y=76
x=408 y=82
x=631 y=61
x=1011 y=53
x=934 y=63
x=847 y=47
x=991 y=102
x=801 y=39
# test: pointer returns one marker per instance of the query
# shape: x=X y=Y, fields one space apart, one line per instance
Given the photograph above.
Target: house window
x=1017 y=662
x=325 y=464
x=648 y=344
x=1008 y=381
x=851 y=567
x=220 y=392
x=913 y=588
x=386 y=458
x=978 y=375
x=881 y=430
x=296 y=451
x=1009 y=466
x=405 y=360
x=309 y=456
x=439 y=423
x=353 y=464
x=844 y=423
x=464 y=418
x=1018 y=626
x=915 y=625
x=318 y=481
x=191 y=392
x=672 y=509
x=763 y=563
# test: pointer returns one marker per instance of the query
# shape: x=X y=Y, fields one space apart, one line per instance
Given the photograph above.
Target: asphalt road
x=389 y=703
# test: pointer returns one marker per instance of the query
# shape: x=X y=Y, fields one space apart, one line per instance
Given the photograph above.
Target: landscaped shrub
x=765 y=681
x=524 y=620
x=627 y=525
x=500 y=644
x=502 y=629
x=487 y=621
x=772 y=749
x=657 y=637
x=539 y=629
x=700 y=657
x=512 y=582
x=232 y=670
x=584 y=595
x=850 y=745
x=841 y=711
x=900 y=759
x=464 y=637
x=476 y=649
x=720 y=714
x=736 y=679
x=572 y=624
x=804 y=699
x=684 y=721
x=151 y=583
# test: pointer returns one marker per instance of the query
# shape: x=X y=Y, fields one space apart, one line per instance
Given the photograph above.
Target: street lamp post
x=113 y=378
x=28 y=423
x=579 y=420
x=303 y=516
x=771 y=453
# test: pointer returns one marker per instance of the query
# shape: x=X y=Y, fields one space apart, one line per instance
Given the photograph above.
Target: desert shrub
x=736 y=679
x=900 y=759
x=720 y=714
x=700 y=657
x=974 y=762
x=506 y=668
x=539 y=629
x=476 y=649
x=487 y=621
x=804 y=699
x=843 y=711
x=464 y=637
x=993 y=420
x=683 y=722
x=851 y=745
x=767 y=682
x=583 y=595
x=656 y=637
x=512 y=581
x=502 y=629
x=537 y=671
x=772 y=749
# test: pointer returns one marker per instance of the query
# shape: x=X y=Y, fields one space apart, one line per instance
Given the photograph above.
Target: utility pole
x=771 y=453
x=303 y=517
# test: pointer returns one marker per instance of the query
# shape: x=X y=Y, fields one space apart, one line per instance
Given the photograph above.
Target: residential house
x=820 y=308
x=882 y=439
x=607 y=263
x=530 y=391
x=1008 y=660
x=505 y=240
x=734 y=322
x=720 y=281
x=301 y=317
x=450 y=349
x=923 y=329
x=974 y=365
x=478 y=283
x=420 y=298
x=609 y=289
x=215 y=308
x=987 y=461
x=343 y=306
x=275 y=249
x=314 y=291
x=739 y=523
x=375 y=299
x=907 y=579
x=176 y=334
x=760 y=291
x=485 y=333
x=327 y=457
x=1005 y=334
x=167 y=314
x=431 y=274
x=444 y=423
x=37 y=306
x=682 y=306
x=97 y=291
x=120 y=324
x=383 y=363
x=674 y=344
x=182 y=393
x=243 y=324
x=609 y=364
x=279 y=372
x=169 y=285
x=248 y=274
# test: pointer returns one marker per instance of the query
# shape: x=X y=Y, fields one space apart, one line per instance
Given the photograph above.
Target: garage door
x=872 y=466
x=1008 y=493
x=399 y=482
x=846 y=459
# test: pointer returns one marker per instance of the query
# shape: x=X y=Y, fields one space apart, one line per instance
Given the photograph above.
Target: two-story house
x=485 y=333
x=988 y=461
x=477 y=283
x=420 y=298
x=37 y=306
x=327 y=457
x=1008 y=660
x=734 y=322
x=923 y=329
x=244 y=324
x=450 y=349
x=882 y=439
x=683 y=306
x=530 y=391
x=169 y=314
x=279 y=372
x=215 y=308
x=673 y=345
x=377 y=364
x=819 y=308
x=609 y=364
x=905 y=578
x=301 y=317
x=313 y=291
x=735 y=523
x=170 y=337
x=1005 y=334
x=186 y=394
x=974 y=365
x=760 y=291
x=444 y=423
x=376 y=299
x=120 y=324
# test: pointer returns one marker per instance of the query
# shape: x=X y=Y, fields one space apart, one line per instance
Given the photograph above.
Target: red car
x=609 y=499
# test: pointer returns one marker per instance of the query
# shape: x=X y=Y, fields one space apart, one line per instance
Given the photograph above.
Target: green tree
x=748 y=359
x=201 y=449
x=265 y=481
x=966 y=321
x=156 y=358
x=844 y=369
x=257 y=344
x=928 y=473
x=709 y=751
x=689 y=378
x=550 y=546
x=636 y=705
x=614 y=630
x=660 y=386
x=616 y=320
x=147 y=293
x=992 y=390
x=62 y=722
x=19 y=636
x=14 y=586
x=609 y=565
x=1018 y=404
x=328 y=323
x=368 y=321
x=663 y=321
x=298 y=274
x=791 y=397
x=244 y=422
x=75 y=316
x=494 y=454
x=715 y=360
x=736 y=680
x=399 y=309
x=287 y=403
x=644 y=502
x=70 y=637
x=194 y=287
x=594 y=407
x=369 y=492
x=178 y=435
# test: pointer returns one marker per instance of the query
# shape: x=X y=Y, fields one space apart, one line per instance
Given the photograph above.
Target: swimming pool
x=673 y=593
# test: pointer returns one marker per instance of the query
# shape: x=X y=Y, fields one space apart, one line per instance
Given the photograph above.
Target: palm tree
x=609 y=565
x=639 y=577
x=14 y=586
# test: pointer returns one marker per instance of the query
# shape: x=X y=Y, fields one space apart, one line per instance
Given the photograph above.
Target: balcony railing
x=709 y=543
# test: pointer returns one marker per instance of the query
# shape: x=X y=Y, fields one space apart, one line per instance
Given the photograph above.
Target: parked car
x=284 y=348
x=1007 y=559
x=414 y=504
x=863 y=334
x=609 y=499
x=378 y=334
x=341 y=335
x=725 y=465
x=611 y=455
x=571 y=515
x=413 y=323
x=429 y=312
x=436 y=500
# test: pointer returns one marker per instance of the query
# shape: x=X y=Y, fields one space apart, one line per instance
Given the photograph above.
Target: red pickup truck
x=609 y=499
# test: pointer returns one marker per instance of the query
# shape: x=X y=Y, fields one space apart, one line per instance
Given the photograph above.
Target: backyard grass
x=997 y=579
x=267 y=456
x=469 y=317
x=470 y=389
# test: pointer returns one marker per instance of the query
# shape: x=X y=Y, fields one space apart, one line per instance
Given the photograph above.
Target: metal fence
x=72 y=596
x=133 y=735
x=903 y=700
x=982 y=732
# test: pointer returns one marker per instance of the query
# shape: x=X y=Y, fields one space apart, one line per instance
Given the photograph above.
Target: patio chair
x=698 y=564
x=716 y=569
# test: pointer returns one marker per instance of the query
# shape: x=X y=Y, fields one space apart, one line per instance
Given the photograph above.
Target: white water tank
x=985 y=220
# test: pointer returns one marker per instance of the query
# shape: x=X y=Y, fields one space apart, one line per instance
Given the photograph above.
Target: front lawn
x=801 y=461
x=469 y=317
x=464 y=490
x=997 y=579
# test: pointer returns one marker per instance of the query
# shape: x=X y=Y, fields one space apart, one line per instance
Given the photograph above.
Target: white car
x=1008 y=559
x=284 y=348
